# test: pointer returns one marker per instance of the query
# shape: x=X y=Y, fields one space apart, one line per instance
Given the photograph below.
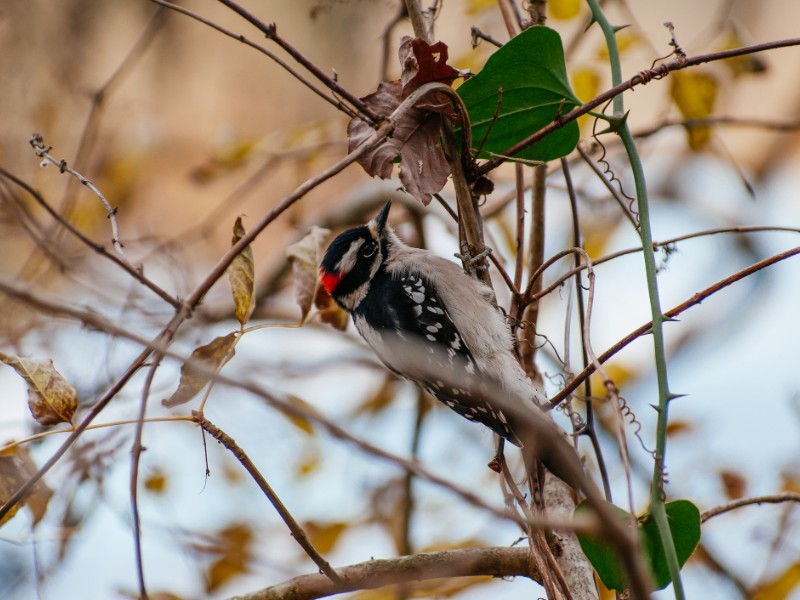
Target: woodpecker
x=428 y=306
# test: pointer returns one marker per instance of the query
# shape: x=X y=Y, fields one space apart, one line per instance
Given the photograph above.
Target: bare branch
x=271 y=33
x=241 y=38
x=672 y=313
x=297 y=531
x=495 y=562
x=37 y=143
x=769 y=499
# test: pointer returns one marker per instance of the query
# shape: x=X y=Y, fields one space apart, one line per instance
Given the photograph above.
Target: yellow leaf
x=305 y=256
x=379 y=400
x=476 y=6
x=780 y=587
x=301 y=423
x=741 y=65
x=51 y=398
x=586 y=84
x=564 y=9
x=308 y=463
x=156 y=482
x=618 y=374
x=16 y=467
x=323 y=536
x=626 y=39
x=234 y=547
x=241 y=274
x=695 y=94
x=214 y=355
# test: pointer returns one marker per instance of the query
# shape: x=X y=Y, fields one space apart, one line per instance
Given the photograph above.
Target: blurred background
x=184 y=129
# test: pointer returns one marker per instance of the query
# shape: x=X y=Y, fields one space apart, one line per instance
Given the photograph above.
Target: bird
x=430 y=322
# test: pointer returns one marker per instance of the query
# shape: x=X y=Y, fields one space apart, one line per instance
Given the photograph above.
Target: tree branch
x=494 y=562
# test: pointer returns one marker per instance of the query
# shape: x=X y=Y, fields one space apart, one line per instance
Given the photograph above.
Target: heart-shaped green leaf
x=522 y=88
x=684 y=523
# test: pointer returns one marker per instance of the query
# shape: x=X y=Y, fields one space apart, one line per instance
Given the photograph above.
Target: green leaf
x=531 y=72
x=684 y=523
x=602 y=556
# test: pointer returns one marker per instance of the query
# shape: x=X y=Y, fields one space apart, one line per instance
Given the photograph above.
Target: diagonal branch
x=297 y=531
x=641 y=78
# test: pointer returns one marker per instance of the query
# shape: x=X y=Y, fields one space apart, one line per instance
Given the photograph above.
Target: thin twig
x=769 y=499
x=135 y=272
x=136 y=453
x=671 y=314
x=196 y=296
x=589 y=428
x=37 y=143
x=247 y=42
x=271 y=33
x=297 y=531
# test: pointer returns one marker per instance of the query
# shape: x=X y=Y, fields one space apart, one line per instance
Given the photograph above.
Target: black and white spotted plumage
x=408 y=300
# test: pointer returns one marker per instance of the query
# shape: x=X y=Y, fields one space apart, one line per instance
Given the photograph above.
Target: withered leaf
x=16 y=467
x=305 y=256
x=425 y=63
x=423 y=166
x=51 y=398
x=330 y=312
x=214 y=354
x=241 y=274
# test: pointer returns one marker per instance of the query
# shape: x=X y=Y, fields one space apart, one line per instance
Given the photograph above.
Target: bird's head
x=353 y=259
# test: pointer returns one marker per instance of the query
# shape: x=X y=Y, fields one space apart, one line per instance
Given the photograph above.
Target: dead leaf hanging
x=305 y=256
x=423 y=166
x=241 y=274
x=51 y=398
x=214 y=354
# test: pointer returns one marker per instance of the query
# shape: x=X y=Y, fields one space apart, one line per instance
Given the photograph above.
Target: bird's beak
x=379 y=222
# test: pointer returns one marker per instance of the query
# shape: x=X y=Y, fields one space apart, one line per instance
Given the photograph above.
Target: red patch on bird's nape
x=329 y=280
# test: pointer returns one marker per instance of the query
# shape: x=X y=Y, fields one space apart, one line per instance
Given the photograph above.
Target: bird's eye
x=368 y=250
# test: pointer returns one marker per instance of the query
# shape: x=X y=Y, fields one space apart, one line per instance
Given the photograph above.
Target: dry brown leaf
x=305 y=256
x=678 y=427
x=323 y=536
x=735 y=484
x=415 y=141
x=214 y=354
x=695 y=94
x=330 y=312
x=16 y=467
x=51 y=398
x=241 y=274
x=423 y=166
